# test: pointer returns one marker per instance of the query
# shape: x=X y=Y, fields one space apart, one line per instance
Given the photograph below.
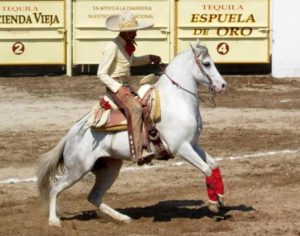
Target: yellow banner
x=91 y=35
x=32 y=32
x=236 y=31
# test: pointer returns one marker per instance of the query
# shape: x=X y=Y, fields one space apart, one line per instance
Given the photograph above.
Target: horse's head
x=205 y=70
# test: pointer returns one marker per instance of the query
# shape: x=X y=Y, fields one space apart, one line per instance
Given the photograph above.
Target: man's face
x=129 y=35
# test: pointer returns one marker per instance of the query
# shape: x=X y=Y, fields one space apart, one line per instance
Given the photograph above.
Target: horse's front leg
x=187 y=152
x=196 y=157
x=215 y=186
x=205 y=156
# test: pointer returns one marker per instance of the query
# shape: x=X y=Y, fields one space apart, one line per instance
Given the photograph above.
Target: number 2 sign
x=18 y=48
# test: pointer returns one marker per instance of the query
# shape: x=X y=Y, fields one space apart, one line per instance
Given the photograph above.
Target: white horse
x=180 y=126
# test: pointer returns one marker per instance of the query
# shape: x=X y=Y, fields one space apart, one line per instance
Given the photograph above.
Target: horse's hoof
x=123 y=220
x=213 y=207
x=127 y=221
x=55 y=223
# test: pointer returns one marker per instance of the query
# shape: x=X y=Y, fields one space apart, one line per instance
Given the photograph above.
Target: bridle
x=211 y=89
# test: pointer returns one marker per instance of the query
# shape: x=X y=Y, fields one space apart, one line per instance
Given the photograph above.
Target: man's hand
x=155 y=59
x=123 y=93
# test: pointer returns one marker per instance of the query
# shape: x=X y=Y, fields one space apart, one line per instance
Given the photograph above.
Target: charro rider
x=114 y=67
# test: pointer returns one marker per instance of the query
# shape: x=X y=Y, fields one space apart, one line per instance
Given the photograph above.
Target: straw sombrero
x=125 y=22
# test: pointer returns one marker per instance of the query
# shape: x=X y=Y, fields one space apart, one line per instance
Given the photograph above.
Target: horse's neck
x=180 y=71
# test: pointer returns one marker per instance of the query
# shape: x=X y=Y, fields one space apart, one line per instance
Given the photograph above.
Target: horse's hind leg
x=67 y=180
x=106 y=171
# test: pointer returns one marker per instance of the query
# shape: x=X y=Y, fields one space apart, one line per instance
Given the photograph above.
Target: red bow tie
x=129 y=47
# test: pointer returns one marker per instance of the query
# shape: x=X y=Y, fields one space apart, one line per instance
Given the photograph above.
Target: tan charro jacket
x=116 y=62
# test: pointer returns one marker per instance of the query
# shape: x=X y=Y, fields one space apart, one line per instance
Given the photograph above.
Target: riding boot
x=133 y=112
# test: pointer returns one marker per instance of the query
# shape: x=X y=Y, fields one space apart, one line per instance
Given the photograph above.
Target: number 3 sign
x=18 y=48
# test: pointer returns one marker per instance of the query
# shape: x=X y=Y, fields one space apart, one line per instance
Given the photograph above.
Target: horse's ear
x=201 y=47
x=195 y=49
x=200 y=44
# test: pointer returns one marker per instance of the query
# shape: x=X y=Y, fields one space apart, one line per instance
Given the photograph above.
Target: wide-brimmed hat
x=125 y=22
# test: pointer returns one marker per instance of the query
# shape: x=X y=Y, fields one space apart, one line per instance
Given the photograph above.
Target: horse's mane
x=176 y=58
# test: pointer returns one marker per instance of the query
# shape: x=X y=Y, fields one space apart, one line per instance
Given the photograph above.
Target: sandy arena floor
x=254 y=132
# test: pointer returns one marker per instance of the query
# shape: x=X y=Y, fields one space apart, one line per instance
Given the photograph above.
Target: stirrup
x=146 y=157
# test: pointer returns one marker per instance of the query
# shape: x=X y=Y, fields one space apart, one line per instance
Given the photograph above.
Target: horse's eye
x=206 y=63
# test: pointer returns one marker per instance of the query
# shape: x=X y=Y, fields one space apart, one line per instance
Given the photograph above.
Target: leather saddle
x=106 y=116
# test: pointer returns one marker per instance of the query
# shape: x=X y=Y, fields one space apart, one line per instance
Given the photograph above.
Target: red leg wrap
x=211 y=188
x=216 y=173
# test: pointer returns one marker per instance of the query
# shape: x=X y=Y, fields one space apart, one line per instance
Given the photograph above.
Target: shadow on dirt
x=192 y=209
x=81 y=216
x=165 y=211
x=224 y=212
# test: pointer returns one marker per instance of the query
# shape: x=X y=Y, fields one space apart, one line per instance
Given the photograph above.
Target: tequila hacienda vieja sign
x=32 y=32
x=28 y=15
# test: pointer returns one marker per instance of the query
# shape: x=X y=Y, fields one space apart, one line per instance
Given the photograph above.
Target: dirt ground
x=254 y=132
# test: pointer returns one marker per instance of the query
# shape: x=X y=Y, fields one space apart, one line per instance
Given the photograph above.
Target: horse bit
x=211 y=89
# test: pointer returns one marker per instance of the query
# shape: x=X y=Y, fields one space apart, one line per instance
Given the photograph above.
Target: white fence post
x=69 y=62
x=286 y=38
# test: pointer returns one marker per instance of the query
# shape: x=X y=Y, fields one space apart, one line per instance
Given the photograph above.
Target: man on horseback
x=114 y=70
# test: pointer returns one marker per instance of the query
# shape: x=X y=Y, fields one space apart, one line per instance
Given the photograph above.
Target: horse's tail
x=51 y=164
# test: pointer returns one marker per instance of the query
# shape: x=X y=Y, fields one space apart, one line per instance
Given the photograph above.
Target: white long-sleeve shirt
x=115 y=62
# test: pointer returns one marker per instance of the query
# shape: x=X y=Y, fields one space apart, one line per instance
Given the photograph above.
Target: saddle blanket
x=106 y=116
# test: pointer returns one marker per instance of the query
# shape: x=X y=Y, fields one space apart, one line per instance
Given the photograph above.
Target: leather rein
x=211 y=89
